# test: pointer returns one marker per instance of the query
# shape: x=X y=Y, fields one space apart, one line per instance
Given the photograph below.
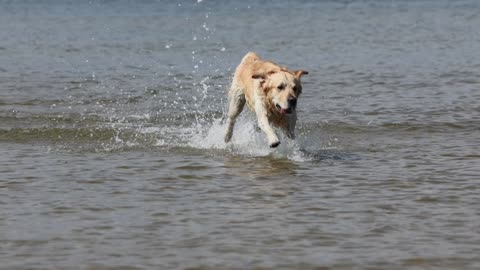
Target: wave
x=397 y=127
x=209 y=124
x=201 y=134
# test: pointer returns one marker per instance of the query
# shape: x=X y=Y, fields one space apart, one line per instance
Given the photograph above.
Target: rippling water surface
x=111 y=126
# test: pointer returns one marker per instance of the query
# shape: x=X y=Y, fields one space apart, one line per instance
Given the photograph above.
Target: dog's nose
x=292 y=101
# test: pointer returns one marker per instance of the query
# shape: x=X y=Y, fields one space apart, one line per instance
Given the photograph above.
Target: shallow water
x=111 y=126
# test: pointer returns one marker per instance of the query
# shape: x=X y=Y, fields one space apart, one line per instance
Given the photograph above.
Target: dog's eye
x=281 y=87
x=295 y=89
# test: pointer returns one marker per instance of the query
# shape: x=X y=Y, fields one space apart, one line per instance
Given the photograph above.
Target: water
x=111 y=126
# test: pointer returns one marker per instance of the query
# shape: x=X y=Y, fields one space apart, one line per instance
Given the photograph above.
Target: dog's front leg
x=237 y=102
x=265 y=125
x=292 y=121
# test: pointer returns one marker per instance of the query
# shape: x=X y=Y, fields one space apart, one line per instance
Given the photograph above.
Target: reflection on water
x=262 y=167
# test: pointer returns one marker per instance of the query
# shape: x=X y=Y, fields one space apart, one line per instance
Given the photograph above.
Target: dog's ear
x=262 y=76
x=299 y=73
x=259 y=76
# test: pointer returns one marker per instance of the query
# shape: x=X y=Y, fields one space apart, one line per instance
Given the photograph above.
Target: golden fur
x=270 y=90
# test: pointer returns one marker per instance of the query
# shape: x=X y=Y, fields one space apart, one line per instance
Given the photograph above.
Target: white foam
x=247 y=140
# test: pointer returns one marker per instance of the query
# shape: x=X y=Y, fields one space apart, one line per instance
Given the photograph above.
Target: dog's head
x=282 y=88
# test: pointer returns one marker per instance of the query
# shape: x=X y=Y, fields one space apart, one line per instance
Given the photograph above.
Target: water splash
x=247 y=140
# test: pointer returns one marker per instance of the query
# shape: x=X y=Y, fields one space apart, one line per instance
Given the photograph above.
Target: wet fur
x=269 y=90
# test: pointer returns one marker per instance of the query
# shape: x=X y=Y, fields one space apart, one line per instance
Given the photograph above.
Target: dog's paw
x=274 y=144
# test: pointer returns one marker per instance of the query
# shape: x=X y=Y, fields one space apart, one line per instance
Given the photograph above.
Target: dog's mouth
x=283 y=111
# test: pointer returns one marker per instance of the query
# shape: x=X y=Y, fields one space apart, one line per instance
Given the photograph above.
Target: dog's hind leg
x=235 y=107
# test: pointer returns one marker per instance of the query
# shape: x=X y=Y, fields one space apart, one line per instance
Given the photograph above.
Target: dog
x=270 y=90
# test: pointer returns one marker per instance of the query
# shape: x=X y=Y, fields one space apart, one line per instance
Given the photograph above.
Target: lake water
x=111 y=136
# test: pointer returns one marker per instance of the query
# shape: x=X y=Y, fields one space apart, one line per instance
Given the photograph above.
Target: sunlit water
x=111 y=131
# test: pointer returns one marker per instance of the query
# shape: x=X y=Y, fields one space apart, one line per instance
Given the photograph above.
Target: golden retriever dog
x=270 y=90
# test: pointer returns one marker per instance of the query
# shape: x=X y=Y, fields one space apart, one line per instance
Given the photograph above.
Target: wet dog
x=270 y=90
